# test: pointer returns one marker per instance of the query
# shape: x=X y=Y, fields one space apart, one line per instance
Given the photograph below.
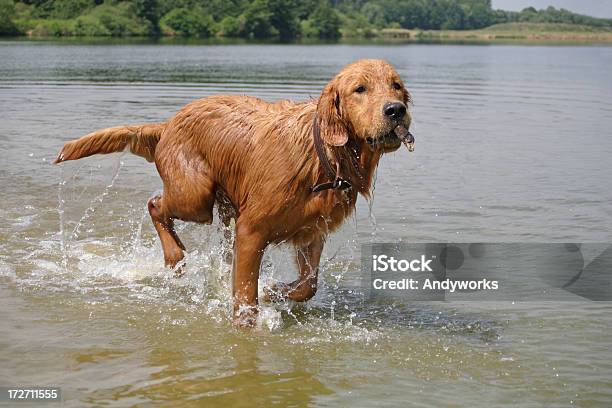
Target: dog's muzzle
x=393 y=140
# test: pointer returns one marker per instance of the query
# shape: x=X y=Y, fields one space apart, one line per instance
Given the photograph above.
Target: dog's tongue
x=405 y=136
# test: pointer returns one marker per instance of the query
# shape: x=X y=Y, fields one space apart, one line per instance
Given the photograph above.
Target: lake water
x=513 y=145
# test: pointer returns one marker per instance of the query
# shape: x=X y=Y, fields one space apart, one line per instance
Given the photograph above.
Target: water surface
x=512 y=146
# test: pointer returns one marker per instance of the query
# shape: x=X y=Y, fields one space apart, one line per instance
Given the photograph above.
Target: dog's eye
x=360 y=89
x=397 y=86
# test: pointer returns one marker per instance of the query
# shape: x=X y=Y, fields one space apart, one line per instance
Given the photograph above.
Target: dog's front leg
x=305 y=286
x=249 y=248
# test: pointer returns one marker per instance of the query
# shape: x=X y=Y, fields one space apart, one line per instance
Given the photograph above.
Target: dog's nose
x=395 y=110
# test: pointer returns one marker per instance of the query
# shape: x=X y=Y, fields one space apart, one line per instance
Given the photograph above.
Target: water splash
x=269 y=318
x=97 y=200
x=61 y=202
x=133 y=269
x=370 y=201
x=137 y=240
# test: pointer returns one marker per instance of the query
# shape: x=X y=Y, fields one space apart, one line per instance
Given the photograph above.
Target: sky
x=595 y=8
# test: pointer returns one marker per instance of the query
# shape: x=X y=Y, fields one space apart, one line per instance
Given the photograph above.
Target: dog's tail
x=140 y=139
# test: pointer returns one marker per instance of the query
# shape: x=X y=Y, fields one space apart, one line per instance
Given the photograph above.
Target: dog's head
x=366 y=100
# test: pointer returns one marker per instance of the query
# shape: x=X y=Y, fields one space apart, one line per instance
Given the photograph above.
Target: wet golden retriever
x=287 y=172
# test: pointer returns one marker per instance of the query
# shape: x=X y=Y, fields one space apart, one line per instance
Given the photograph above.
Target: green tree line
x=282 y=19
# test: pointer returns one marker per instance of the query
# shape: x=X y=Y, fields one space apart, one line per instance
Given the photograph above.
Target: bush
x=66 y=9
x=186 y=23
x=52 y=28
x=7 y=13
x=86 y=26
x=375 y=14
x=120 y=20
x=356 y=25
x=230 y=27
x=263 y=19
x=257 y=20
x=324 y=22
x=105 y=20
x=308 y=30
x=147 y=11
x=285 y=18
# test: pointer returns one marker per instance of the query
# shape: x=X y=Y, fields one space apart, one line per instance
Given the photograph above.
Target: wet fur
x=256 y=160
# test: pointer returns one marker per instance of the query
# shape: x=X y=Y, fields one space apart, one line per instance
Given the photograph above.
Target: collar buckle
x=339 y=183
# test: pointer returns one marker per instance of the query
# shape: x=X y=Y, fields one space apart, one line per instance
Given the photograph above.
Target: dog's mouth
x=405 y=136
x=393 y=139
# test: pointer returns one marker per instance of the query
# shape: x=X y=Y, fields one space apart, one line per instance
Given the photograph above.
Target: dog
x=285 y=171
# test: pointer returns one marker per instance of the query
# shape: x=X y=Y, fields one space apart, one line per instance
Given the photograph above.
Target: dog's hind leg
x=164 y=225
x=189 y=195
x=305 y=287
x=186 y=201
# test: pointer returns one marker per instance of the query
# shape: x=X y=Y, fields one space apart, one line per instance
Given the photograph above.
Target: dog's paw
x=276 y=293
x=245 y=316
x=178 y=268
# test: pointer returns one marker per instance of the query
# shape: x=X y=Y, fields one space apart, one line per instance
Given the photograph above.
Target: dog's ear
x=406 y=96
x=329 y=114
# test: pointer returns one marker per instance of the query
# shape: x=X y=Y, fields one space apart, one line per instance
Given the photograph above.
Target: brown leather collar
x=338 y=182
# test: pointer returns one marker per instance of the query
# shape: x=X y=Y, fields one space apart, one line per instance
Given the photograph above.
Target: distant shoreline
x=508 y=32
x=500 y=33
